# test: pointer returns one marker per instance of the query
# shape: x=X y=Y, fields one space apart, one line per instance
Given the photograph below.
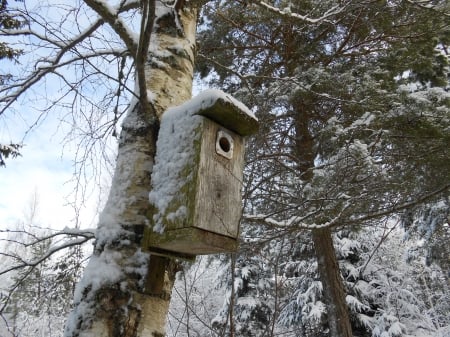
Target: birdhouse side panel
x=218 y=199
x=175 y=172
x=179 y=212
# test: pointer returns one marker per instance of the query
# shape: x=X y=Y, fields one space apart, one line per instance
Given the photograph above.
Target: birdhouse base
x=187 y=242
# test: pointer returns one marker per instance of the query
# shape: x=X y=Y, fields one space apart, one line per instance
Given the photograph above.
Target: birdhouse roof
x=224 y=110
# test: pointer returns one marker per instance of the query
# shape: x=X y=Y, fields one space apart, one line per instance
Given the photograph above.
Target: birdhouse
x=197 y=177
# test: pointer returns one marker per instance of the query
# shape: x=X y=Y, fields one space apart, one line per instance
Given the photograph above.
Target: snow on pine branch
x=428 y=4
x=286 y=11
x=297 y=222
x=395 y=208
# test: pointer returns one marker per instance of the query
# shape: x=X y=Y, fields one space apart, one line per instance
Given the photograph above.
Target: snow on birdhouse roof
x=223 y=109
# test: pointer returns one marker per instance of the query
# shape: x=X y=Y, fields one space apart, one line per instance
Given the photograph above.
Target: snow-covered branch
x=286 y=12
x=295 y=222
x=79 y=237
x=111 y=16
x=32 y=33
x=300 y=222
x=428 y=4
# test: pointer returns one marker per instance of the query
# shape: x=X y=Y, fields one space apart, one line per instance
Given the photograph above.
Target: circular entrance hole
x=224 y=144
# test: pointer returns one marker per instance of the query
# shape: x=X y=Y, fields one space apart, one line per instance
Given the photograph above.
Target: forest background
x=353 y=104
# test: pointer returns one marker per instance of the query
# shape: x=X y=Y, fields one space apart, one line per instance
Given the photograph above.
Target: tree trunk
x=330 y=276
x=124 y=291
x=338 y=317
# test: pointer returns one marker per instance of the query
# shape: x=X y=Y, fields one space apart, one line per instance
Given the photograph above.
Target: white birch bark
x=113 y=299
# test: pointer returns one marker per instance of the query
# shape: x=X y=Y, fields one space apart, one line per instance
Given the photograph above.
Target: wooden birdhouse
x=197 y=177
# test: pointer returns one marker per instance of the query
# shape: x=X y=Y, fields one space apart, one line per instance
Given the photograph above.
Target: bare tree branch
x=111 y=16
x=44 y=70
x=148 y=17
x=82 y=236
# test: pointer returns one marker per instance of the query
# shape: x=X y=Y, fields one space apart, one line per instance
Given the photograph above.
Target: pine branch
x=286 y=12
x=397 y=208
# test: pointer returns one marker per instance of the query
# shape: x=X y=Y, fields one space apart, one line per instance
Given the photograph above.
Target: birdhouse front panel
x=218 y=201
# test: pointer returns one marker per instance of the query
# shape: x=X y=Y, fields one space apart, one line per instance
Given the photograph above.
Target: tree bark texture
x=330 y=276
x=338 y=317
x=125 y=291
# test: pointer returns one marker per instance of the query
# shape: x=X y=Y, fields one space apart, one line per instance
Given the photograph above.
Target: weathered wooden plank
x=190 y=241
x=218 y=202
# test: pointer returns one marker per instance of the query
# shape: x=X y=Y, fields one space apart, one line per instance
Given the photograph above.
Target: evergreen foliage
x=391 y=290
x=39 y=296
x=354 y=109
x=11 y=150
x=8 y=21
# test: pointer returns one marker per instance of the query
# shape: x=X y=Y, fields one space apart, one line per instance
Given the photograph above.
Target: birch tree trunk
x=124 y=291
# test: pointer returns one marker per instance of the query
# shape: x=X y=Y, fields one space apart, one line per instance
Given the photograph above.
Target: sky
x=44 y=169
x=46 y=165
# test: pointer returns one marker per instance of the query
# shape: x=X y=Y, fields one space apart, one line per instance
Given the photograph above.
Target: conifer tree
x=345 y=138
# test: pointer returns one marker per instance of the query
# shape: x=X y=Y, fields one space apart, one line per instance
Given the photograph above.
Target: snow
x=180 y=213
x=175 y=152
x=286 y=11
x=161 y=9
x=348 y=246
x=209 y=97
x=316 y=310
x=100 y=269
x=247 y=301
x=112 y=11
x=109 y=229
x=364 y=121
x=355 y=304
x=246 y=272
x=132 y=120
x=138 y=264
x=310 y=294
